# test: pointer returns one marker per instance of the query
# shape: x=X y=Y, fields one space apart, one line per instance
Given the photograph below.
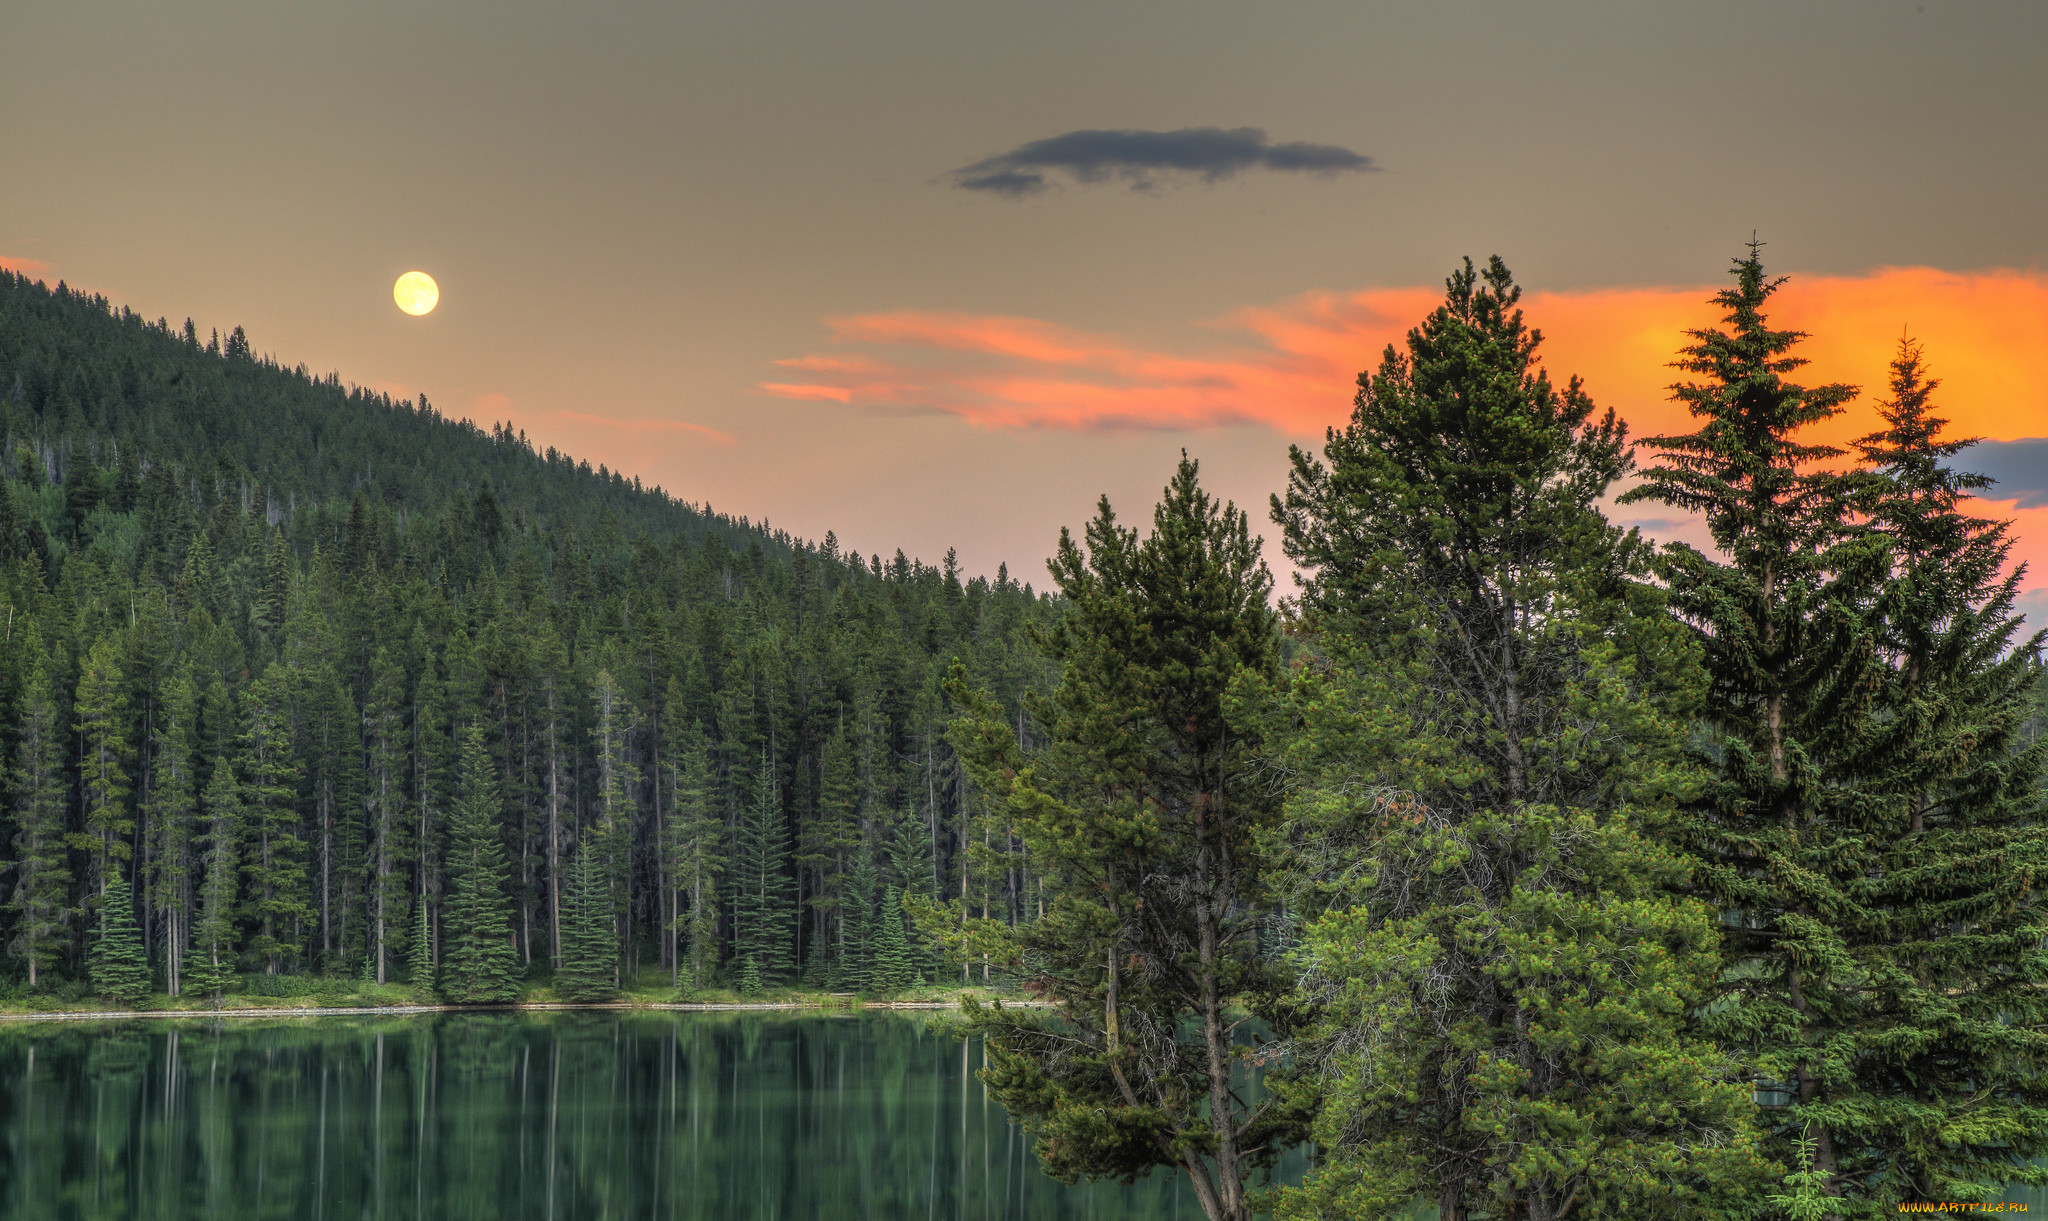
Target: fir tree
x=1498 y=962
x=864 y=889
x=118 y=964
x=173 y=818
x=42 y=875
x=618 y=779
x=419 y=957
x=1794 y=826
x=893 y=970
x=750 y=977
x=102 y=710
x=478 y=965
x=1143 y=811
x=589 y=970
x=211 y=962
x=1948 y=1094
x=763 y=893
x=274 y=859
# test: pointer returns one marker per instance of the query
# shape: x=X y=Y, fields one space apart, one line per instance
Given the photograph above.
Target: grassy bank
x=285 y=994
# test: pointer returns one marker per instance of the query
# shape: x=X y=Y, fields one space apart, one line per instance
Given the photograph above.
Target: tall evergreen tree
x=419 y=956
x=618 y=780
x=212 y=958
x=118 y=964
x=42 y=874
x=173 y=818
x=1792 y=828
x=104 y=788
x=763 y=892
x=693 y=860
x=892 y=969
x=1144 y=812
x=590 y=951
x=275 y=857
x=478 y=965
x=1947 y=1096
x=1499 y=963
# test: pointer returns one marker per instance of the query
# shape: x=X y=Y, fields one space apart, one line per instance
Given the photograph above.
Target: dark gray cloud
x=1143 y=160
x=2020 y=467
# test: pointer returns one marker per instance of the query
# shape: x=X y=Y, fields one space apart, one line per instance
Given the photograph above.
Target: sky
x=936 y=275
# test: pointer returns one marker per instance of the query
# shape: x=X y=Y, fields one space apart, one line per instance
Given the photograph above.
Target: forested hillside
x=318 y=681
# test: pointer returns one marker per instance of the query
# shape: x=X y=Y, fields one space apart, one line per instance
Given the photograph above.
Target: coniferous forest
x=1536 y=870
x=301 y=680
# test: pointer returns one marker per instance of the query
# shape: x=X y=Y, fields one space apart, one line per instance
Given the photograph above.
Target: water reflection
x=748 y=1117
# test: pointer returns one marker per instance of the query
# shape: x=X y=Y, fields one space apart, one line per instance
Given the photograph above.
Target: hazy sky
x=939 y=274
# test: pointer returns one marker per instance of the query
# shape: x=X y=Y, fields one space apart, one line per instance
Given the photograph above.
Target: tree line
x=1555 y=874
x=300 y=680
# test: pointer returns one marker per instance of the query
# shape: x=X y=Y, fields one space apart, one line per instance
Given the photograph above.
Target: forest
x=1512 y=862
x=254 y=619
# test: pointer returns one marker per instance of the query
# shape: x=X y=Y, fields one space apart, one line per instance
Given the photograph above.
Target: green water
x=739 y=1117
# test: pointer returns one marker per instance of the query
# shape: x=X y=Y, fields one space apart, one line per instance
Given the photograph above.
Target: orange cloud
x=21 y=266
x=1291 y=366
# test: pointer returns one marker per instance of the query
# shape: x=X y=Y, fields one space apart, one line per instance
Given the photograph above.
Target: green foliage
x=119 y=968
x=1874 y=818
x=589 y=970
x=892 y=969
x=1143 y=809
x=217 y=566
x=479 y=965
x=1498 y=961
x=419 y=957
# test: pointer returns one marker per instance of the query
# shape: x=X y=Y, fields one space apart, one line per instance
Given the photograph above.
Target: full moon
x=416 y=293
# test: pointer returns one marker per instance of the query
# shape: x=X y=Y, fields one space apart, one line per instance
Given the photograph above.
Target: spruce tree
x=173 y=818
x=1948 y=1098
x=211 y=962
x=274 y=858
x=1145 y=809
x=104 y=789
x=763 y=892
x=117 y=963
x=419 y=957
x=892 y=970
x=42 y=874
x=1794 y=825
x=589 y=970
x=1497 y=962
x=864 y=890
x=478 y=965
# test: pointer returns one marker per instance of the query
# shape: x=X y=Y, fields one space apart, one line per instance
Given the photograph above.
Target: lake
x=734 y=1116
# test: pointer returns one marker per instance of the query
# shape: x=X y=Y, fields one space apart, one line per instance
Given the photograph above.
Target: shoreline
x=121 y=1015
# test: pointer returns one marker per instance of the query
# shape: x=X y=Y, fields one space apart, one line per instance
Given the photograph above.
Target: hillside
x=253 y=616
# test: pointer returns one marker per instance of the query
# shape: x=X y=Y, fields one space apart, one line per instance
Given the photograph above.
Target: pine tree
x=117 y=963
x=589 y=970
x=419 y=956
x=174 y=807
x=211 y=962
x=1143 y=809
x=1498 y=962
x=384 y=735
x=763 y=893
x=750 y=977
x=1948 y=1097
x=893 y=970
x=618 y=812
x=478 y=965
x=694 y=862
x=274 y=859
x=864 y=890
x=104 y=790
x=1791 y=830
x=42 y=875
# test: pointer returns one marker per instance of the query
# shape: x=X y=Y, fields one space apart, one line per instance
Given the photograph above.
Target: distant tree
x=211 y=961
x=274 y=858
x=419 y=958
x=892 y=970
x=118 y=965
x=763 y=892
x=478 y=965
x=173 y=814
x=42 y=875
x=590 y=951
x=104 y=788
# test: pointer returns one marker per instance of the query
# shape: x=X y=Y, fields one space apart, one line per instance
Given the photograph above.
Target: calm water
x=739 y=1117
